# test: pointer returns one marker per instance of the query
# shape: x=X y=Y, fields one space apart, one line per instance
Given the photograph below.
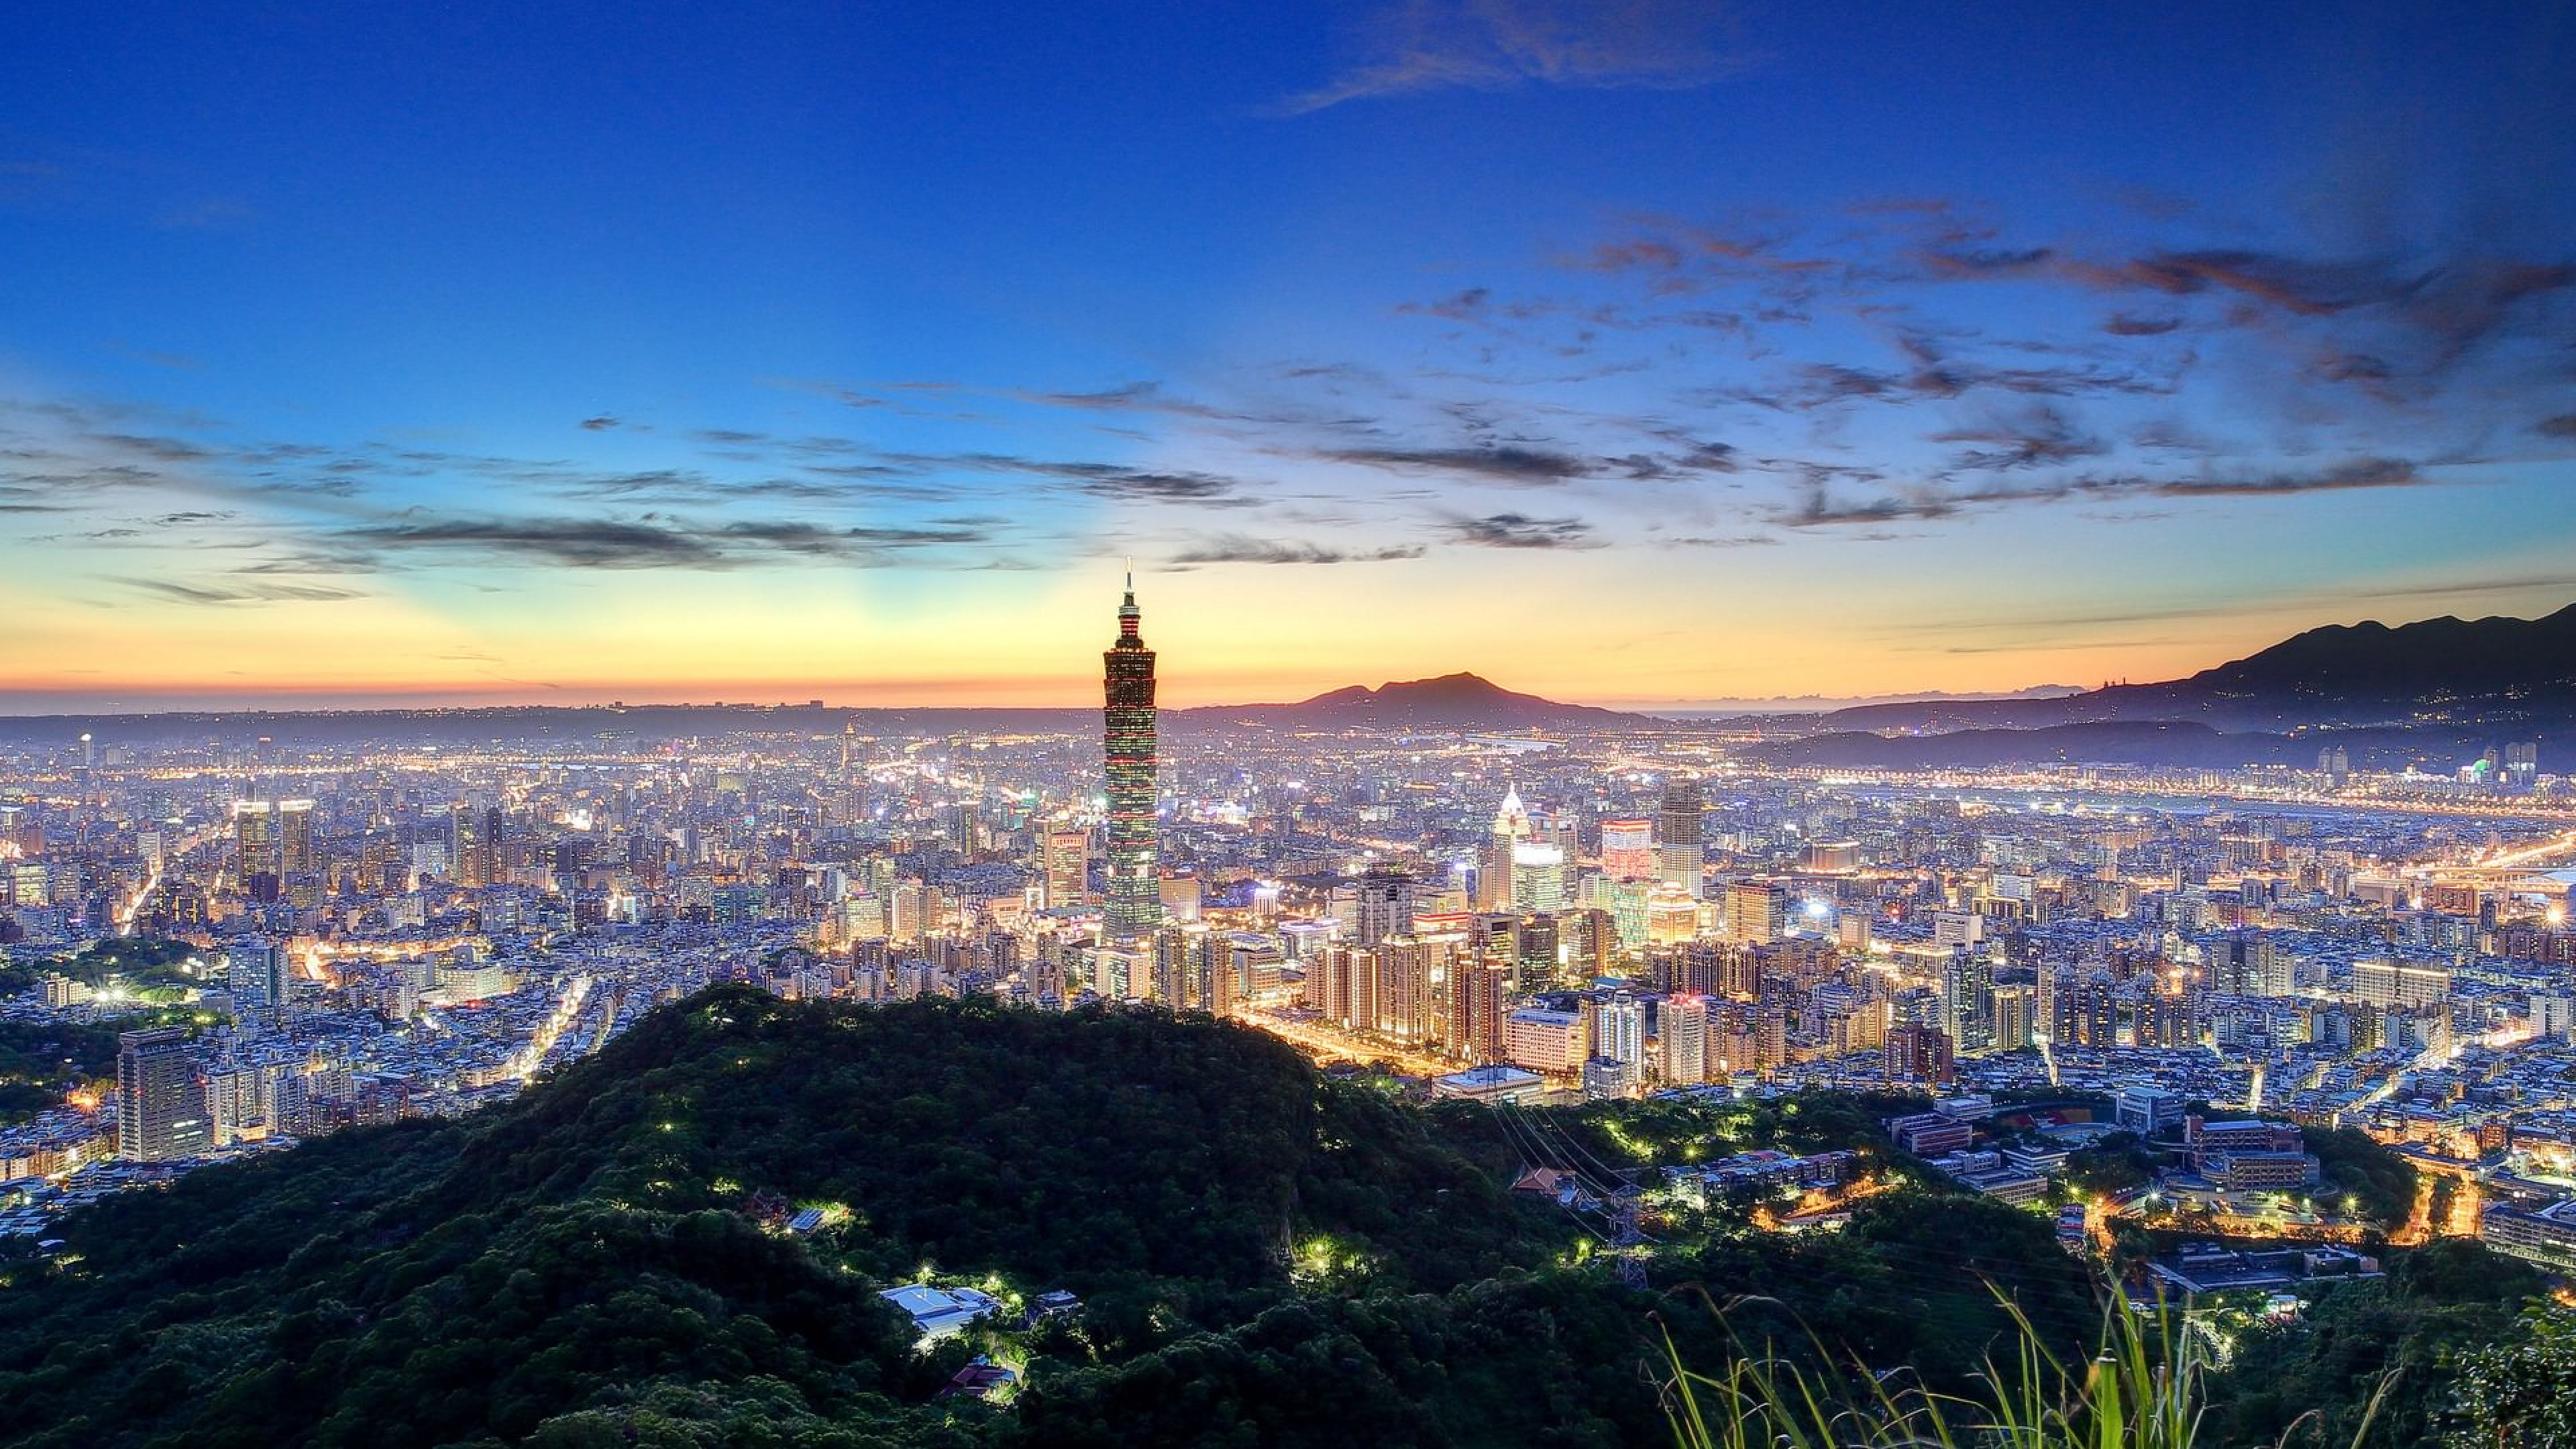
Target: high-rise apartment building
x=1681 y=1031
x=1135 y=905
x=1385 y=905
x=160 y=1099
x=1619 y=1030
x=1918 y=1053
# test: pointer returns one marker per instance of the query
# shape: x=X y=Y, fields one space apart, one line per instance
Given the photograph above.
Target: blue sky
x=1627 y=352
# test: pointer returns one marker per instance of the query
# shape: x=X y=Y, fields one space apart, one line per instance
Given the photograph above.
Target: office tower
x=1628 y=850
x=1539 y=945
x=1682 y=1034
x=1495 y=881
x=295 y=837
x=1755 y=911
x=1538 y=877
x=497 y=863
x=1385 y=905
x=1968 y=990
x=2522 y=766
x=1135 y=904
x=1064 y=877
x=160 y=1099
x=1677 y=834
x=2335 y=763
x=254 y=839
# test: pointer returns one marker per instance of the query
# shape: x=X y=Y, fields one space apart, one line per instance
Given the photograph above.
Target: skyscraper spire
x=1135 y=905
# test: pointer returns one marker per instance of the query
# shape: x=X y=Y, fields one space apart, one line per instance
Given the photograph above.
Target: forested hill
x=1266 y=1256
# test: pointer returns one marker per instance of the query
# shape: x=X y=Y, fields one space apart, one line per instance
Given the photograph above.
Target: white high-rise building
x=1683 y=1039
x=1620 y=1030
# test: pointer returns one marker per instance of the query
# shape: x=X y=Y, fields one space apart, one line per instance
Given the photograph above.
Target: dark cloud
x=1520 y=465
x=1934 y=375
x=2357 y=473
x=2353 y=367
x=1111 y=480
x=2295 y=284
x=1519 y=530
x=2124 y=324
x=599 y=424
x=582 y=542
x=652 y=541
x=2040 y=435
x=1986 y=262
x=2561 y=426
x=817 y=539
x=1246 y=548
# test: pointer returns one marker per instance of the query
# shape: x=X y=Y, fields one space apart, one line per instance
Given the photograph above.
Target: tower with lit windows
x=1135 y=896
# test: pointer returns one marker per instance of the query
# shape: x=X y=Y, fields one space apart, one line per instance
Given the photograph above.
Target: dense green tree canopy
x=1266 y=1256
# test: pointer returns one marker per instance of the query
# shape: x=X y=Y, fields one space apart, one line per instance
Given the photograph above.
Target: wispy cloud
x=224 y=594
x=1519 y=530
x=648 y=542
x=1417 y=46
x=1246 y=548
x=1821 y=506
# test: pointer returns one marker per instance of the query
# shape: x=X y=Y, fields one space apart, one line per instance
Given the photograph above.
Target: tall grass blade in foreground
x=2142 y=1390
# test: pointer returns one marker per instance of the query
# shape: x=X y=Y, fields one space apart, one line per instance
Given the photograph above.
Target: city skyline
x=348 y=364
x=1887 y=679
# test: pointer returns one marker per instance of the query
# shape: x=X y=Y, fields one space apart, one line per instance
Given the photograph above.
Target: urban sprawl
x=290 y=938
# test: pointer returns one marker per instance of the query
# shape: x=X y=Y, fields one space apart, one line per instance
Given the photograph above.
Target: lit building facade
x=1135 y=896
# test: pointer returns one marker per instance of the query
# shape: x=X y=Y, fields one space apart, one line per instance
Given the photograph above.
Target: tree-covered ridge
x=1267 y=1256
x=435 y=1282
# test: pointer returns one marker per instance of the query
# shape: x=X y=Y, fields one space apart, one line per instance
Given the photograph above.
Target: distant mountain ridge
x=2496 y=671
x=1449 y=701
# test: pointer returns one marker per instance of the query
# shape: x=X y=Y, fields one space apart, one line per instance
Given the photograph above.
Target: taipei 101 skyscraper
x=1135 y=884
